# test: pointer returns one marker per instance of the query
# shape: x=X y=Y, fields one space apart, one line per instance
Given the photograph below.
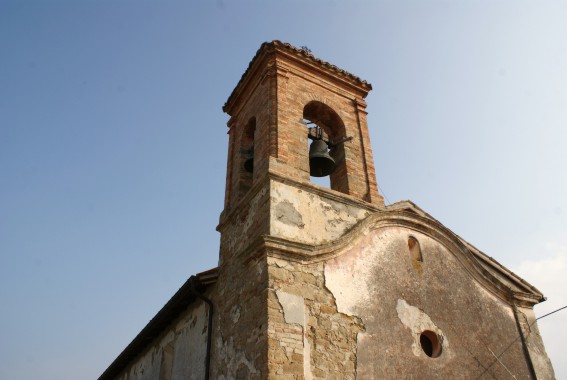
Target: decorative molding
x=300 y=55
x=360 y=104
x=526 y=300
x=524 y=294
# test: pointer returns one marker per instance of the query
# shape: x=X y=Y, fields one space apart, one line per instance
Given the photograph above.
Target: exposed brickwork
x=258 y=108
x=280 y=90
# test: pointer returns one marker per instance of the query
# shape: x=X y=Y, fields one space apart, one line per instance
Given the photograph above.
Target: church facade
x=329 y=283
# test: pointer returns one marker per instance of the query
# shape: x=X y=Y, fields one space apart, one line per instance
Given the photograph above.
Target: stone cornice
x=325 y=192
x=495 y=278
x=229 y=215
x=523 y=299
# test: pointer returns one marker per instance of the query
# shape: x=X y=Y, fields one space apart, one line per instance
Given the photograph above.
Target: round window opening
x=430 y=344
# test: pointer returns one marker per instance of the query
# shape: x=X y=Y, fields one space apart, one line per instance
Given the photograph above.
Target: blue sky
x=113 y=148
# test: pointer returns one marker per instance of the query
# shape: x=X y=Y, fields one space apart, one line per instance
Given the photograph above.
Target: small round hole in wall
x=430 y=344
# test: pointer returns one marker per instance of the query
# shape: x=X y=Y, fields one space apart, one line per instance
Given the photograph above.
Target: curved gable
x=405 y=216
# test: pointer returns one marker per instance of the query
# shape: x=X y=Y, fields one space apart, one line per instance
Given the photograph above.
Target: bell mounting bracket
x=316 y=133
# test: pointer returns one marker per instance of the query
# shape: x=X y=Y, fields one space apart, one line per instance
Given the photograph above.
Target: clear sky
x=113 y=148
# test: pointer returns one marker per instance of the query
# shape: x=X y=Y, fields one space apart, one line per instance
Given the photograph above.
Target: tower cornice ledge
x=228 y=217
x=301 y=57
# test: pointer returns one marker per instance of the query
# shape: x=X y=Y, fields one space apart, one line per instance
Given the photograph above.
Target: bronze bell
x=321 y=164
x=249 y=162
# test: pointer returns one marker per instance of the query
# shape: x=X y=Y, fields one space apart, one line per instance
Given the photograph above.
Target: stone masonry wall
x=309 y=338
x=244 y=225
x=180 y=352
x=240 y=338
x=240 y=332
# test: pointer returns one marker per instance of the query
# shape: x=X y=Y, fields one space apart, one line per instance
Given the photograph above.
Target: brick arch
x=325 y=117
x=246 y=143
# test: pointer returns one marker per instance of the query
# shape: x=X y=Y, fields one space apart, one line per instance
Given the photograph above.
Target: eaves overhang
x=155 y=327
x=300 y=55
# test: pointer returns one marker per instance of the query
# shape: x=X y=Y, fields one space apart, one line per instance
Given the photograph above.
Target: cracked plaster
x=303 y=217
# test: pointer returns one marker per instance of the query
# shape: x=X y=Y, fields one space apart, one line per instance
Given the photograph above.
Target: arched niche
x=325 y=117
x=245 y=177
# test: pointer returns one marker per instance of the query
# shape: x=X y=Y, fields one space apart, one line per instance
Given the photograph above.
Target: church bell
x=321 y=164
x=249 y=162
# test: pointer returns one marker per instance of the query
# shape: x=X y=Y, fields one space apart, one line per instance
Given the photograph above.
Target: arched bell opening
x=326 y=159
x=246 y=166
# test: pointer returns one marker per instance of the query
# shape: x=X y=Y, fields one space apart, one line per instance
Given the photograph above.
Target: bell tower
x=283 y=92
x=274 y=215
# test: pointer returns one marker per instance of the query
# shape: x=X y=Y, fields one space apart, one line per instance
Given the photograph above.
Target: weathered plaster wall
x=361 y=314
x=542 y=364
x=397 y=298
x=304 y=217
x=244 y=300
x=180 y=352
